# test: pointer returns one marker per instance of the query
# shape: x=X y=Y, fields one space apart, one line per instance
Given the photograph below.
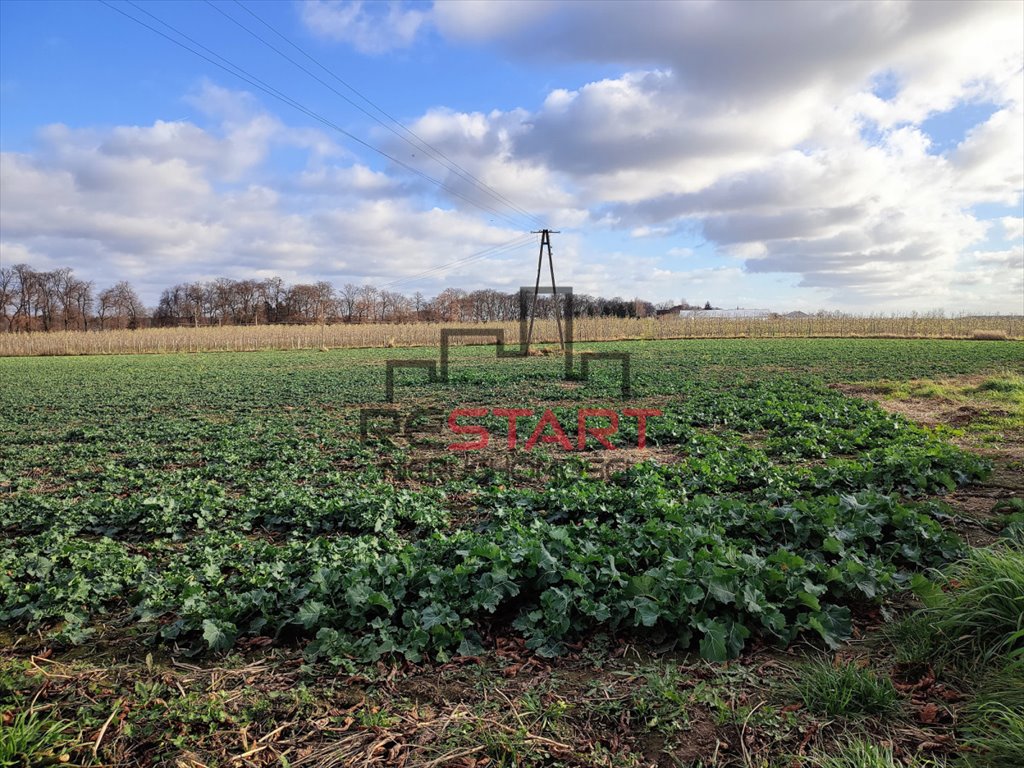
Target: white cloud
x=1013 y=228
x=747 y=120
x=759 y=124
x=990 y=160
x=362 y=24
x=153 y=205
x=353 y=180
x=992 y=280
x=480 y=22
x=644 y=231
x=791 y=136
x=482 y=147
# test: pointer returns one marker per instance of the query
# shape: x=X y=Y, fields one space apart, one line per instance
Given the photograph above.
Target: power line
x=420 y=143
x=248 y=77
x=267 y=88
x=423 y=144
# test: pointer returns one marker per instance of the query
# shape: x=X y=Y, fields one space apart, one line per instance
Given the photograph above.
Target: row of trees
x=251 y=302
x=57 y=300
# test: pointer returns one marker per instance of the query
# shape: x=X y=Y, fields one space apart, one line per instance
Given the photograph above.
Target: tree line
x=33 y=300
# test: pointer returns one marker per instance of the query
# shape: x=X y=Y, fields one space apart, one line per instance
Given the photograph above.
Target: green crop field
x=200 y=549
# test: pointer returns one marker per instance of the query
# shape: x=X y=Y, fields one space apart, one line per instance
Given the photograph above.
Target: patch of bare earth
x=972 y=503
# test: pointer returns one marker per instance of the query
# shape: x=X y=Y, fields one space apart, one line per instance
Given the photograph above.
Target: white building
x=725 y=313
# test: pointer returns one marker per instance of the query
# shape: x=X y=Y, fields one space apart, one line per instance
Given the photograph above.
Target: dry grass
x=248 y=338
x=987 y=334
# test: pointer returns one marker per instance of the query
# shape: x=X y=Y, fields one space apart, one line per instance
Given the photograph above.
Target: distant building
x=671 y=311
x=725 y=312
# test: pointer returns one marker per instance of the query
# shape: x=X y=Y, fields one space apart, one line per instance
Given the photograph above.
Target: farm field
x=355 y=335
x=204 y=564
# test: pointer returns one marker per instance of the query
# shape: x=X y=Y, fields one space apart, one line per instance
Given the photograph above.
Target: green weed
x=981 y=614
x=14 y=678
x=911 y=639
x=994 y=719
x=1008 y=383
x=859 y=753
x=931 y=389
x=32 y=740
x=845 y=690
x=661 y=702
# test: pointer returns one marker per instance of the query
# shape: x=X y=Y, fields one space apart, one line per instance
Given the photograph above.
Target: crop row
x=774 y=508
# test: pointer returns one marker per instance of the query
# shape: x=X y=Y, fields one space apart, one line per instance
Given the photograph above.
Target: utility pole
x=545 y=242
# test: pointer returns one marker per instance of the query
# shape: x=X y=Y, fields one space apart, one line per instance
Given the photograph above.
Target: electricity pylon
x=545 y=242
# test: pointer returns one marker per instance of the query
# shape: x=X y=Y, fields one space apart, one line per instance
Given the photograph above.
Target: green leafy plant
x=230 y=498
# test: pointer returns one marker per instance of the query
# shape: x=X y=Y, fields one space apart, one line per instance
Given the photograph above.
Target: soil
x=972 y=504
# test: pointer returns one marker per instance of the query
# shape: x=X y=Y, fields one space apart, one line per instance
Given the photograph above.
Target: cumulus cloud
x=765 y=126
x=792 y=138
x=347 y=181
x=749 y=51
x=479 y=151
x=177 y=201
x=1013 y=228
x=990 y=160
x=363 y=25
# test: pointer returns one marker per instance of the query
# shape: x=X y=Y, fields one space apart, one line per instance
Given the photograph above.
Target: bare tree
x=197 y=302
x=349 y=297
x=8 y=291
x=122 y=305
x=80 y=296
x=323 y=301
x=384 y=305
x=28 y=295
x=302 y=301
x=169 y=308
x=107 y=301
x=366 y=307
x=449 y=304
x=67 y=290
x=246 y=301
x=401 y=307
x=33 y=300
x=45 y=297
x=130 y=304
x=222 y=292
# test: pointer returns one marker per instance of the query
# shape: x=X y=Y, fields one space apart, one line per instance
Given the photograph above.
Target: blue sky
x=864 y=157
